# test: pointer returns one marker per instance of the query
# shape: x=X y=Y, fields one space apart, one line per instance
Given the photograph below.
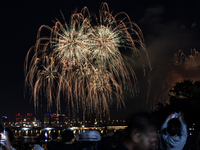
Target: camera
x=175 y=115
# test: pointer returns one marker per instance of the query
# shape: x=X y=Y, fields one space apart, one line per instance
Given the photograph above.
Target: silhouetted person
x=6 y=139
x=54 y=143
x=141 y=133
x=89 y=140
x=109 y=141
x=173 y=133
x=37 y=145
x=67 y=140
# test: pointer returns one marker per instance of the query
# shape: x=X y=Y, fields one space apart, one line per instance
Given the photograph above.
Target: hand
x=8 y=145
x=181 y=117
x=170 y=116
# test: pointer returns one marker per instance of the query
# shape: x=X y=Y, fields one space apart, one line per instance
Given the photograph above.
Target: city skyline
x=28 y=120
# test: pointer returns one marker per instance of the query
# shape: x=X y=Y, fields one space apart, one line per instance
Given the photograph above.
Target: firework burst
x=181 y=67
x=82 y=60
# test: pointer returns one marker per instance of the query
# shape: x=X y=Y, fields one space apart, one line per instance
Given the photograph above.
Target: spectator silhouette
x=173 y=133
x=109 y=141
x=54 y=143
x=89 y=139
x=67 y=140
x=141 y=133
x=8 y=136
x=38 y=144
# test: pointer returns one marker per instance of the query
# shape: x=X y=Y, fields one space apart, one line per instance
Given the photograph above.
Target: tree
x=185 y=97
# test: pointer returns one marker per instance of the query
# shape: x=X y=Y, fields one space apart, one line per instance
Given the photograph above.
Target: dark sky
x=167 y=27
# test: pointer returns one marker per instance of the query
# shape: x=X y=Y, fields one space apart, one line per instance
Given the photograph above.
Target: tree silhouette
x=185 y=97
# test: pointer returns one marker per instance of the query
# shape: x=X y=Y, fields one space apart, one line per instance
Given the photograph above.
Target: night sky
x=168 y=26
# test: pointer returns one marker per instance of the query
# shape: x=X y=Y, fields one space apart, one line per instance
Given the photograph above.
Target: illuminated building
x=28 y=120
x=61 y=120
x=55 y=121
x=18 y=120
x=47 y=120
x=36 y=123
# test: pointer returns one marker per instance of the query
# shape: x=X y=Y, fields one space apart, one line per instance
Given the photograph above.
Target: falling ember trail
x=82 y=60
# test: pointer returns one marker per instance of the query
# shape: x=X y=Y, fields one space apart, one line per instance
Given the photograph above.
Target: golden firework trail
x=82 y=60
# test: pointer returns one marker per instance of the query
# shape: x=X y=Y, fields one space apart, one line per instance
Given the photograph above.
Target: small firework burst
x=181 y=67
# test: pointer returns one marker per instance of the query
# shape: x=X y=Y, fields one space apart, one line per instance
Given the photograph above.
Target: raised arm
x=164 y=125
x=183 y=125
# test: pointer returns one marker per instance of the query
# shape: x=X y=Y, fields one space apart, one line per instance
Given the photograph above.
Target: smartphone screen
x=3 y=136
x=173 y=116
x=3 y=139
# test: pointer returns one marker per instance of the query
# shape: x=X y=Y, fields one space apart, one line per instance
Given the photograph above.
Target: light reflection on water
x=30 y=139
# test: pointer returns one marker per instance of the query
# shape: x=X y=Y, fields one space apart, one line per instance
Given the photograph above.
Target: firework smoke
x=181 y=67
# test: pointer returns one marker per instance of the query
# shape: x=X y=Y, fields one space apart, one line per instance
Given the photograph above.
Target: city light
x=48 y=128
x=25 y=129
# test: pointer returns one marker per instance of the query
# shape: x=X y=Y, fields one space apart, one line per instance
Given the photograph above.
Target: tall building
x=18 y=122
x=61 y=120
x=55 y=121
x=36 y=123
x=28 y=119
x=47 y=120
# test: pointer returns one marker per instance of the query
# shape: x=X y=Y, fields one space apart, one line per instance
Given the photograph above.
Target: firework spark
x=82 y=60
x=181 y=67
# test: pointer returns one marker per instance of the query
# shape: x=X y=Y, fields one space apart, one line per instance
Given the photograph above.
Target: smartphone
x=175 y=115
x=178 y=114
x=3 y=139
